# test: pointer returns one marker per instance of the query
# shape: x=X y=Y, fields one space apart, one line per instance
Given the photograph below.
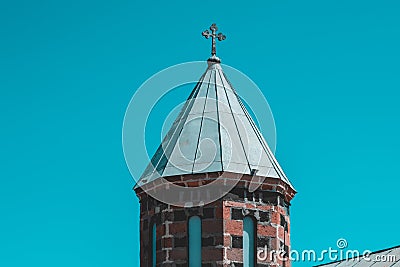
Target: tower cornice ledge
x=227 y=181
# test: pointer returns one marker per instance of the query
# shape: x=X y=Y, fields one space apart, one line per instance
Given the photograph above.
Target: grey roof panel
x=231 y=144
x=208 y=140
x=171 y=170
x=214 y=166
x=211 y=97
x=348 y=263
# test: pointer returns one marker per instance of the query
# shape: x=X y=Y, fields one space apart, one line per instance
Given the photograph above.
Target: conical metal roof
x=213 y=133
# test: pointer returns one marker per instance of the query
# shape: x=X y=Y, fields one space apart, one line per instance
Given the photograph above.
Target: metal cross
x=213 y=36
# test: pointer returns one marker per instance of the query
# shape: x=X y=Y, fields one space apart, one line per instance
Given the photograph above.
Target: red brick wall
x=270 y=223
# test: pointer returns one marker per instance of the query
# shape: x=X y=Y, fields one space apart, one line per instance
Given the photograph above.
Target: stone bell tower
x=213 y=193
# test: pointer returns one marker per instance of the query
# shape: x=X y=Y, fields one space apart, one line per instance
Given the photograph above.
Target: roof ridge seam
x=218 y=120
x=234 y=119
x=201 y=123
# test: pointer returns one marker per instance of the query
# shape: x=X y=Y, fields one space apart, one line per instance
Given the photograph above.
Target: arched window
x=249 y=255
x=153 y=245
x=194 y=241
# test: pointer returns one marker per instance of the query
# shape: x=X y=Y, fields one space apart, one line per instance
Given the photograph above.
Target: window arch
x=249 y=234
x=194 y=233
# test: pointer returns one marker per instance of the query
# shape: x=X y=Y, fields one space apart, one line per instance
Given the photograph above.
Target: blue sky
x=329 y=69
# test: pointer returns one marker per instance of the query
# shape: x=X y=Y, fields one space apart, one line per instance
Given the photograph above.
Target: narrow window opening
x=194 y=241
x=249 y=254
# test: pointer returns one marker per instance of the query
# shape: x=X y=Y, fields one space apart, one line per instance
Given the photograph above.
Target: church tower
x=213 y=193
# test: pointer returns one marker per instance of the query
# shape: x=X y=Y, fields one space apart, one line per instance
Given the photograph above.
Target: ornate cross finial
x=213 y=36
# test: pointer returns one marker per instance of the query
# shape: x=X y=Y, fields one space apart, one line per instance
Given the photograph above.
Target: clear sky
x=329 y=69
